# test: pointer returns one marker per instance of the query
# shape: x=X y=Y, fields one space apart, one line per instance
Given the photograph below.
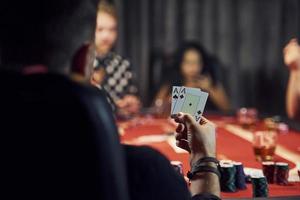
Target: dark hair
x=47 y=32
x=209 y=63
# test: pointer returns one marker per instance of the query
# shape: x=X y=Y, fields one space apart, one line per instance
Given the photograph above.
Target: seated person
x=194 y=69
x=292 y=60
x=58 y=139
x=116 y=76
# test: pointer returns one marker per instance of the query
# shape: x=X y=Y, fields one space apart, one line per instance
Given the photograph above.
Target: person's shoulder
x=143 y=152
x=146 y=156
x=151 y=171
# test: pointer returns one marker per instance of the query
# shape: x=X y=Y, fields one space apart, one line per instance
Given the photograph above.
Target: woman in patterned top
x=112 y=71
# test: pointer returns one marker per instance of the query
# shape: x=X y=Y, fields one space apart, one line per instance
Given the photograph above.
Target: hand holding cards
x=188 y=100
x=199 y=139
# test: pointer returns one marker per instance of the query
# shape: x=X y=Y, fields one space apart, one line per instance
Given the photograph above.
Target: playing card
x=181 y=96
x=175 y=96
x=193 y=102
x=200 y=106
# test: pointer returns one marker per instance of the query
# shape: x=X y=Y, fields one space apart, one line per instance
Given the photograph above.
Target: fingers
x=181 y=133
x=180 y=128
x=183 y=118
x=183 y=144
x=205 y=121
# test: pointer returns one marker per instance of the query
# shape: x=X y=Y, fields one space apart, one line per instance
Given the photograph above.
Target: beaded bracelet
x=201 y=166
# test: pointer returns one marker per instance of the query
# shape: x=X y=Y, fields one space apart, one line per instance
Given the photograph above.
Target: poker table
x=233 y=143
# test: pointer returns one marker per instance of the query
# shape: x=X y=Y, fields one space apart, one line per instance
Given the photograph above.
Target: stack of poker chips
x=227 y=182
x=260 y=186
x=178 y=167
x=282 y=173
x=240 y=180
x=269 y=171
x=232 y=176
x=276 y=172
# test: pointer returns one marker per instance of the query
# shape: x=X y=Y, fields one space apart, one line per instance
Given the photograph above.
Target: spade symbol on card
x=175 y=97
x=198 y=115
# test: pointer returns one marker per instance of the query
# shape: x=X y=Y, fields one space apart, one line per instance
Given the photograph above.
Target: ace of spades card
x=179 y=94
x=175 y=96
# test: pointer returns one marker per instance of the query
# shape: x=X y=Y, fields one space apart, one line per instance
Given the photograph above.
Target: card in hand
x=180 y=96
x=175 y=96
x=190 y=100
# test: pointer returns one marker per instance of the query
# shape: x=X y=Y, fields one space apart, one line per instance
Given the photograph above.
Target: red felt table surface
x=229 y=146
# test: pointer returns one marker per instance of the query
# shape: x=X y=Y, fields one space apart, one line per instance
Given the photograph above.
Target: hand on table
x=198 y=139
x=128 y=105
x=291 y=53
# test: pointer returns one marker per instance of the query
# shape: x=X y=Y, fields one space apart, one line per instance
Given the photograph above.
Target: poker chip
x=259 y=186
x=269 y=171
x=282 y=173
x=178 y=167
x=240 y=177
x=228 y=172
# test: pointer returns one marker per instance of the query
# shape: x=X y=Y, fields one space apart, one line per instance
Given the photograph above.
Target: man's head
x=47 y=32
x=106 y=30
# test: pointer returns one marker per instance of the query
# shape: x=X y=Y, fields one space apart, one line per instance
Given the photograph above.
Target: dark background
x=247 y=36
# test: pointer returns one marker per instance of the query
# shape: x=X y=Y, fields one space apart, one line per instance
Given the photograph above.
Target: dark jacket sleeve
x=205 y=196
x=151 y=177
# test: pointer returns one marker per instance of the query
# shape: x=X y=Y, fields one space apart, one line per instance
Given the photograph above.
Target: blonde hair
x=108 y=8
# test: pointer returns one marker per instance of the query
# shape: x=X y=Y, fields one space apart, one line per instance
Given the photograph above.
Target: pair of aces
x=188 y=100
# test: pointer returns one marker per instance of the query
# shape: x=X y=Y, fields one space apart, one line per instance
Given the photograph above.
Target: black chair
x=58 y=141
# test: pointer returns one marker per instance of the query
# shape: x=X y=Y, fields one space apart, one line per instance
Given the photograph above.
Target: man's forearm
x=205 y=182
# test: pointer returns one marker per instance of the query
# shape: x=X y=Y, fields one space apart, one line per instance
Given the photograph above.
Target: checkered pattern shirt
x=118 y=80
